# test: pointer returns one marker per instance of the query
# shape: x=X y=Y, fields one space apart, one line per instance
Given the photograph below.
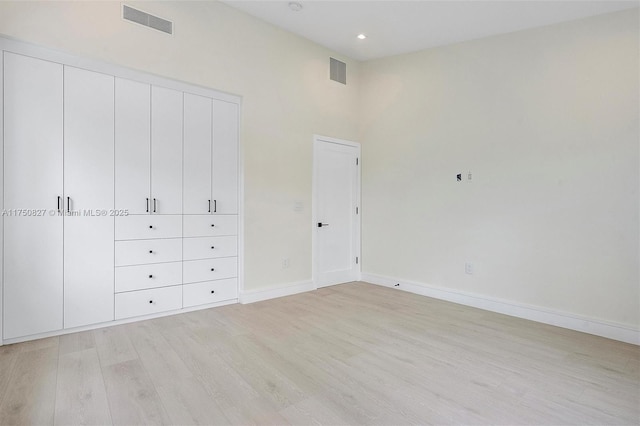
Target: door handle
x=68 y=204
x=147 y=205
x=155 y=205
x=59 y=199
x=215 y=206
x=209 y=206
x=320 y=224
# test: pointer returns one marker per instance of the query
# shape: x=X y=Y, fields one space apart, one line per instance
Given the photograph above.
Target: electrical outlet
x=468 y=268
x=285 y=263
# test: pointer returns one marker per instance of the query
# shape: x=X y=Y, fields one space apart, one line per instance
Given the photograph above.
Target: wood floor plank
x=187 y=402
x=31 y=393
x=160 y=361
x=75 y=342
x=133 y=400
x=114 y=345
x=8 y=357
x=81 y=396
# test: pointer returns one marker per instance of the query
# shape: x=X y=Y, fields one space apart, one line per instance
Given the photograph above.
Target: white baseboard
x=609 y=330
x=273 y=293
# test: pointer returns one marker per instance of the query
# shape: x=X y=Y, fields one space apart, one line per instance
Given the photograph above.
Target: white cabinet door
x=132 y=146
x=89 y=191
x=197 y=154
x=32 y=133
x=166 y=151
x=33 y=111
x=225 y=157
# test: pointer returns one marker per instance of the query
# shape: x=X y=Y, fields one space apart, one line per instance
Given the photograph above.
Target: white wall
x=546 y=120
x=283 y=79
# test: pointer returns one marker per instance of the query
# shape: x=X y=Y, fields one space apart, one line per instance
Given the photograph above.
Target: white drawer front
x=138 y=252
x=209 y=292
x=139 y=277
x=209 y=247
x=210 y=269
x=145 y=227
x=145 y=302
x=210 y=225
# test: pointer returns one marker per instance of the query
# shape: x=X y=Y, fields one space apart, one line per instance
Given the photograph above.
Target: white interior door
x=336 y=197
x=88 y=184
x=33 y=111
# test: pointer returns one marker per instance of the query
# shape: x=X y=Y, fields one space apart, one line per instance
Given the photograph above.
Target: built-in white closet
x=120 y=194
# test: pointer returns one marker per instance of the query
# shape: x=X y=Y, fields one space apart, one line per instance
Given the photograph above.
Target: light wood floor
x=349 y=354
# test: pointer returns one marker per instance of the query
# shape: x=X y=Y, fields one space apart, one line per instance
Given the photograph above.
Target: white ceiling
x=394 y=27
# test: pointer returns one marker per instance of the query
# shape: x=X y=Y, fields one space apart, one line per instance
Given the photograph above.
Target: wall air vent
x=143 y=18
x=337 y=71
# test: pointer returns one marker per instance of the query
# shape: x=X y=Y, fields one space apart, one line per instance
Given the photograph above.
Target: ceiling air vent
x=143 y=18
x=337 y=71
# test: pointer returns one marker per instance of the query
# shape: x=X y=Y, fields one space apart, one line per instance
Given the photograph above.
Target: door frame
x=317 y=141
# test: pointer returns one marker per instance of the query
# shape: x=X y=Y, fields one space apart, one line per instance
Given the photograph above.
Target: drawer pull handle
x=212 y=225
x=150 y=301
x=213 y=291
x=150 y=276
x=150 y=251
x=213 y=269
x=150 y=226
x=212 y=247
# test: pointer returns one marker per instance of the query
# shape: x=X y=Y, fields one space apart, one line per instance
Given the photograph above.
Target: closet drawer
x=208 y=247
x=210 y=225
x=148 y=226
x=139 y=277
x=138 y=252
x=209 y=292
x=145 y=302
x=210 y=269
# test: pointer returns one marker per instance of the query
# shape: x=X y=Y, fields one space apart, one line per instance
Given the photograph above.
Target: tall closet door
x=33 y=138
x=225 y=157
x=166 y=150
x=197 y=154
x=89 y=197
x=133 y=146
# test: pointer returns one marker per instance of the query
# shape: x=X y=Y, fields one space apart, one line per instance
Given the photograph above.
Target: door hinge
x=356 y=260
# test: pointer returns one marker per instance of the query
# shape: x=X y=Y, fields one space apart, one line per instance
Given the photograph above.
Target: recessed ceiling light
x=295 y=6
x=362 y=36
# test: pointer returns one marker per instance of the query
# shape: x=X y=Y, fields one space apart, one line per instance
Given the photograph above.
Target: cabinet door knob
x=150 y=251
x=213 y=291
x=150 y=276
x=212 y=225
x=212 y=247
x=150 y=226
x=212 y=269
x=150 y=301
